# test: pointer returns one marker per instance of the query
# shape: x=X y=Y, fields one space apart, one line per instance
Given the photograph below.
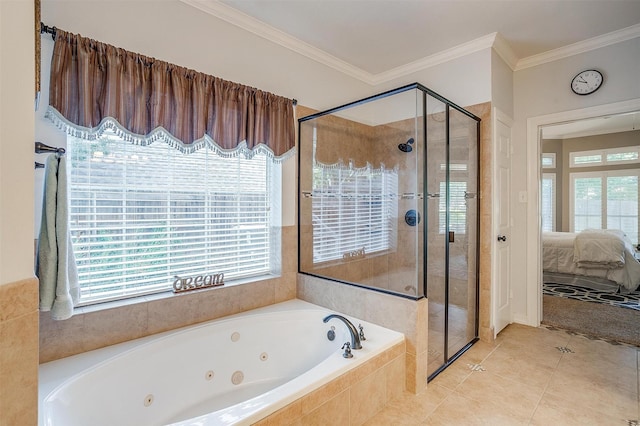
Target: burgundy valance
x=95 y=86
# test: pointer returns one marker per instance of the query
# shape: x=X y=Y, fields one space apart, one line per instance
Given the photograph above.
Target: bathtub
x=235 y=370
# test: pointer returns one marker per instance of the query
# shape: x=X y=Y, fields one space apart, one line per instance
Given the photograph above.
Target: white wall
x=544 y=89
x=17 y=95
x=501 y=85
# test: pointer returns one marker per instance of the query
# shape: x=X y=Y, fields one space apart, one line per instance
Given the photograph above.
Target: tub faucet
x=355 y=338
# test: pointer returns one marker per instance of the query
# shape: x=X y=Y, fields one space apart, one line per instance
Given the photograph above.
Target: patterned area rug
x=628 y=300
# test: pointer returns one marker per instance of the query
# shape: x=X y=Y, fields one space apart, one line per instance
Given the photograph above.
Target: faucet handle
x=361 y=332
x=347 y=350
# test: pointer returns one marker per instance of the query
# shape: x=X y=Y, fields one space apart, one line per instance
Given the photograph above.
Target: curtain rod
x=53 y=30
x=49 y=30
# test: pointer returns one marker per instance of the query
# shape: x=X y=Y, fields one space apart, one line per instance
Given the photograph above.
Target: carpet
x=629 y=300
x=600 y=320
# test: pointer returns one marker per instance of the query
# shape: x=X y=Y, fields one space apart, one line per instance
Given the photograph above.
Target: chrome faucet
x=355 y=338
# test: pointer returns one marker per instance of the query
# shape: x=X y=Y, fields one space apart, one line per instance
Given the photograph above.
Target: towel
x=56 y=264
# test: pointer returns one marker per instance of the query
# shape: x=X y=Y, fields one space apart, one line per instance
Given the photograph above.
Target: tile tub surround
x=404 y=315
x=350 y=399
x=93 y=327
x=19 y=352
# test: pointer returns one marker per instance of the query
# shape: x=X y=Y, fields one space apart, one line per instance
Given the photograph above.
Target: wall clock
x=586 y=82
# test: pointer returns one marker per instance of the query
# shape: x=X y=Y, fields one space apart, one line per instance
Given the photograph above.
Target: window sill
x=97 y=307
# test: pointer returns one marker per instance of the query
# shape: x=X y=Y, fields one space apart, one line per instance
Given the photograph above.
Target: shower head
x=406 y=147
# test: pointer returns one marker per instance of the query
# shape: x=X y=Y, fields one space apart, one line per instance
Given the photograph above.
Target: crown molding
x=579 y=47
x=259 y=28
x=504 y=50
x=494 y=40
x=436 y=59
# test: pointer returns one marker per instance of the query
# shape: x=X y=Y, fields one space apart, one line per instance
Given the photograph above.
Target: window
x=548 y=202
x=602 y=157
x=457 y=207
x=549 y=160
x=142 y=215
x=605 y=200
x=353 y=209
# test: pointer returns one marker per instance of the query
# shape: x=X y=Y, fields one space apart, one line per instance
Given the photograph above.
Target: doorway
x=534 y=176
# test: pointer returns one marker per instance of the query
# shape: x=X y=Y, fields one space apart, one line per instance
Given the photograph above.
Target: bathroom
x=93 y=327
x=163 y=34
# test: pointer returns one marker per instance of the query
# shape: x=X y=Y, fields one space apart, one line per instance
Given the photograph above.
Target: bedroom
x=589 y=181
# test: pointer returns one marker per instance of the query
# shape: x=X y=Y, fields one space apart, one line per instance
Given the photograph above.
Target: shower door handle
x=502 y=238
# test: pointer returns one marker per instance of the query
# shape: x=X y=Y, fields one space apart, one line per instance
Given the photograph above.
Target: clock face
x=586 y=82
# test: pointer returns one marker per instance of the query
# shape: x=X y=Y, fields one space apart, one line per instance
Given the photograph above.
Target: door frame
x=533 y=316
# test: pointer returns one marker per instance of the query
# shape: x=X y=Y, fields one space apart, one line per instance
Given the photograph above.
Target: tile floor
x=529 y=376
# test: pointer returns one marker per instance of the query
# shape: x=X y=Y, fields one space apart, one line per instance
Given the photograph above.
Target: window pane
x=548 y=199
x=457 y=207
x=141 y=215
x=623 y=156
x=622 y=205
x=587 y=159
x=353 y=209
x=587 y=203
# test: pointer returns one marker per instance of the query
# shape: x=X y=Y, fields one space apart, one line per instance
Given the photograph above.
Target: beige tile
x=601 y=371
x=111 y=326
x=392 y=416
x=478 y=353
x=452 y=376
x=284 y=416
x=552 y=411
x=587 y=391
x=19 y=370
x=59 y=339
x=599 y=350
x=422 y=404
x=367 y=397
x=520 y=367
x=458 y=410
x=18 y=298
x=285 y=287
x=318 y=397
x=333 y=412
x=395 y=373
x=516 y=397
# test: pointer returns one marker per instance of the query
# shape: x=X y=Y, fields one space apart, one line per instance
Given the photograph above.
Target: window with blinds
x=457 y=207
x=606 y=200
x=142 y=215
x=548 y=202
x=353 y=209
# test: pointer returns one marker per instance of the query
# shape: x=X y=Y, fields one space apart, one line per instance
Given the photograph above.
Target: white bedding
x=558 y=250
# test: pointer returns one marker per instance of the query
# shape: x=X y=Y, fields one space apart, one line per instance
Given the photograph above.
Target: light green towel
x=56 y=264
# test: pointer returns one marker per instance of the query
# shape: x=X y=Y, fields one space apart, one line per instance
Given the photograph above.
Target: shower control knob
x=502 y=238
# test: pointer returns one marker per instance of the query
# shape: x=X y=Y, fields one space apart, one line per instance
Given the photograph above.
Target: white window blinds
x=141 y=215
x=548 y=202
x=457 y=207
x=353 y=209
x=606 y=200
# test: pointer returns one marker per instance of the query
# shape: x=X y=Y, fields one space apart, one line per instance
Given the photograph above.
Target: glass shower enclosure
x=388 y=200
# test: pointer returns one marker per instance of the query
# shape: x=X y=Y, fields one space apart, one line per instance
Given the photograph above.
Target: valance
x=96 y=87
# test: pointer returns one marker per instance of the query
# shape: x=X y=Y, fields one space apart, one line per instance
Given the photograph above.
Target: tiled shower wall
x=94 y=327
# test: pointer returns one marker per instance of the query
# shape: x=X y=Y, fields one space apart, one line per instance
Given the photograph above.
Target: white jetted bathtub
x=235 y=370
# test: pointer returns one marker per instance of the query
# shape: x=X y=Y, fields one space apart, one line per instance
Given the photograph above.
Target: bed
x=604 y=254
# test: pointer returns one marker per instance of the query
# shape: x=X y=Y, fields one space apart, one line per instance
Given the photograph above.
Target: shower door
x=451 y=202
